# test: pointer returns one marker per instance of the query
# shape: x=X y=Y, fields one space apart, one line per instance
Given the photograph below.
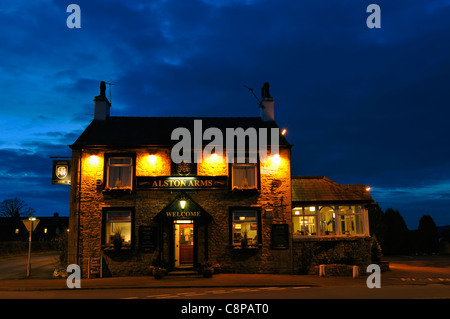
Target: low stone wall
x=309 y=253
x=126 y=264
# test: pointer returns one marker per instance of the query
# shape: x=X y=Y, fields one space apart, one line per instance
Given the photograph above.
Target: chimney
x=101 y=104
x=266 y=105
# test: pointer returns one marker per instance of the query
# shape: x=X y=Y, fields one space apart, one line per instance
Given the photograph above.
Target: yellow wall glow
x=152 y=159
x=155 y=163
x=93 y=160
x=212 y=165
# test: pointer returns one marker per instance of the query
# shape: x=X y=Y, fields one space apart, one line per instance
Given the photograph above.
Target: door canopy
x=183 y=207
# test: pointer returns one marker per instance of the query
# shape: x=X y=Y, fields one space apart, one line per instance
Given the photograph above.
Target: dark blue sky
x=361 y=105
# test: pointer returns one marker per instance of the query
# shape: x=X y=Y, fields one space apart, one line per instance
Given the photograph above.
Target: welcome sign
x=170 y=182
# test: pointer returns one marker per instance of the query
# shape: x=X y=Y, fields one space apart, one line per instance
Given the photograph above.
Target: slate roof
x=118 y=131
x=320 y=189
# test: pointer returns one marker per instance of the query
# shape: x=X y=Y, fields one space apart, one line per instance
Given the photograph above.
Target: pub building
x=132 y=206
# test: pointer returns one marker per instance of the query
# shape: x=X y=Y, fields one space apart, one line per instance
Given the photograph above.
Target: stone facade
x=89 y=198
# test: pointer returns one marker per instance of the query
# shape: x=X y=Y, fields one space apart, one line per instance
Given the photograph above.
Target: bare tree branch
x=15 y=207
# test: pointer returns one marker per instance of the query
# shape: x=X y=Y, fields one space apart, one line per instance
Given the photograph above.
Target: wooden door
x=186 y=243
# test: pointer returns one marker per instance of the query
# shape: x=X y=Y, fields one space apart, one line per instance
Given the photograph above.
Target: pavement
x=404 y=270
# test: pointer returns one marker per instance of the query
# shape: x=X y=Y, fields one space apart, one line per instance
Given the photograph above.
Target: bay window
x=350 y=220
x=329 y=220
x=304 y=220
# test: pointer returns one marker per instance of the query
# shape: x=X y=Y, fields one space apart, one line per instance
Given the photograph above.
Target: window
x=119 y=172
x=350 y=220
x=329 y=220
x=245 y=227
x=244 y=176
x=118 y=223
x=304 y=220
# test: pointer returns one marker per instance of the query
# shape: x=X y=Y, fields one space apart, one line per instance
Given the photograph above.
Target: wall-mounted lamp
x=94 y=160
x=283 y=131
x=182 y=201
x=152 y=159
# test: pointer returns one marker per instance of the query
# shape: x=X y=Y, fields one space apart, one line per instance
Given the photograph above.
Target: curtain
x=244 y=176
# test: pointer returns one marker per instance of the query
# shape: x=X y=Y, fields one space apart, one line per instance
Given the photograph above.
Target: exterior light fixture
x=152 y=159
x=276 y=159
x=368 y=189
x=283 y=131
x=182 y=201
x=94 y=160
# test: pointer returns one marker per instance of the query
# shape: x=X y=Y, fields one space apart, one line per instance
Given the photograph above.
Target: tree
x=427 y=235
x=15 y=207
x=397 y=239
x=377 y=223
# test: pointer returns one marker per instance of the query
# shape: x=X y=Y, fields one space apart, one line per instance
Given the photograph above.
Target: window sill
x=248 y=248
x=117 y=191
x=252 y=190
x=327 y=237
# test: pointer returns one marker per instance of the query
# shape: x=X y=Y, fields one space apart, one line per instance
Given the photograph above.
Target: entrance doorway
x=184 y=243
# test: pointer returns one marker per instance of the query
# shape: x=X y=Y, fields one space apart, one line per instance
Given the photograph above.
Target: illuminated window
x=244 y=176
x=119 y=172
x=327 y=218
x=351 y=220
x=118 y=224
x=304 y=221
x=245 y=228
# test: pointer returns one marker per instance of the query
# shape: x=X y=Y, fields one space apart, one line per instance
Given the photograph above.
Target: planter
x=117 y=192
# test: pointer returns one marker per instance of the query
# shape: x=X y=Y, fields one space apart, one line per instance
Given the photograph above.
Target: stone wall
x=309 y=253
x=87 y=202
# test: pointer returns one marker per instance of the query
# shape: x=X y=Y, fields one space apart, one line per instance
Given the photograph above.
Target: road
x=42 y=266
x=430 y=291
x=411 y=278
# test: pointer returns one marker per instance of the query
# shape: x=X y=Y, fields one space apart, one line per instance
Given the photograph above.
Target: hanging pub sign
x=171 y=182
x=61 y=173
